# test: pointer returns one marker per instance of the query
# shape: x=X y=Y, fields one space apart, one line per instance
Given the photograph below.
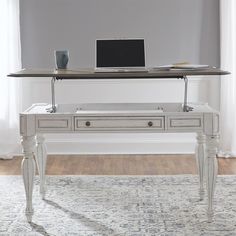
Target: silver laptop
x=120 y=55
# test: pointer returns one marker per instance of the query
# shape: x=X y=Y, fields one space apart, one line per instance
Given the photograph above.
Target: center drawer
x=118 y=123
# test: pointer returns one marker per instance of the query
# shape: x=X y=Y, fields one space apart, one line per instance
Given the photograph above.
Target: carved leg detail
x=41 y=160
x=28 y=172
x=200 y=157
x=212 y=170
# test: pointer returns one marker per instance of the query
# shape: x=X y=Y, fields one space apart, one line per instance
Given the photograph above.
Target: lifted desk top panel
x=91 y=74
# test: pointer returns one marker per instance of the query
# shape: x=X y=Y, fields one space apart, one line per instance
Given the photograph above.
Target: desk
x=142 y=117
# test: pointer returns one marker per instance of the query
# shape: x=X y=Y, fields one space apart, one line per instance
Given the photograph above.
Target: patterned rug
x=117 y=205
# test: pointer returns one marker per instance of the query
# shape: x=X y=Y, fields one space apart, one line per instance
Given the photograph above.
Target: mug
x=61 y=58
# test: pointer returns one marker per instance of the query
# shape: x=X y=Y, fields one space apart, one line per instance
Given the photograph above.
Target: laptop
x=120 y=55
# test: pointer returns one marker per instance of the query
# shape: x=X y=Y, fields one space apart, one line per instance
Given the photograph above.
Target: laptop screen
x=120 y=53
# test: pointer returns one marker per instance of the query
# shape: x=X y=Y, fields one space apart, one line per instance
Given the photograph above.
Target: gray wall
x=174 y=30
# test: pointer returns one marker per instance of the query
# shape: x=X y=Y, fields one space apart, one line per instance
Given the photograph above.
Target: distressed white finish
x=200 y=157
x=28 y=172
x=212 y=165
x=183 y=122
x=47 y=123
x=136 y=118
x=41 y=160
x=119 y=123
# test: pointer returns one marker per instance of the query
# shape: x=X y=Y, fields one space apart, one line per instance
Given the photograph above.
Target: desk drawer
x=118 y=123
x=185 y=123
x=58 y=123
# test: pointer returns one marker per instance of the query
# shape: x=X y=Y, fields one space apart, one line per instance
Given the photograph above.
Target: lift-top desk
x=142 y=117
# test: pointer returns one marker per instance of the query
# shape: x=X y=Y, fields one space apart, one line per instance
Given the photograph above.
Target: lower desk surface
x=131 y=117
x=142 y=117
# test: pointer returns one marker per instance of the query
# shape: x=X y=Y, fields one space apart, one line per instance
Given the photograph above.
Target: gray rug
x=117 y=205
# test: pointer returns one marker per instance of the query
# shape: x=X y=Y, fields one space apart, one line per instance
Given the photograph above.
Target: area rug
x=118 y=206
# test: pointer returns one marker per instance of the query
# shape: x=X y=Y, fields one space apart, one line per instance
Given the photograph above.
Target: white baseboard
x=119 y=144
x=120 y=148
x=115 y=143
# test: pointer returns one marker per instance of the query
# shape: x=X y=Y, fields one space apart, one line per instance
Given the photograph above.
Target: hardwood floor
x=119 y=165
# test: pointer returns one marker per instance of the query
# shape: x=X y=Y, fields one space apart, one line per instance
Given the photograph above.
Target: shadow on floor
x=39 y=229
x=96 y=226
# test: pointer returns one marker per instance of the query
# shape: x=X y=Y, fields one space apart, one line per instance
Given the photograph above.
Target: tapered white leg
x=200 y=158
x=212 y=170
x=28 y=172
x=41 y=160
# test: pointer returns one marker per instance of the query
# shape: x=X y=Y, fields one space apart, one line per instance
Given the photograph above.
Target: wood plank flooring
x=119 y=165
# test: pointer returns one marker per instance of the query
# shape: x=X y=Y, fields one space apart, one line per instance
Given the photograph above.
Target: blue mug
x=61 y=58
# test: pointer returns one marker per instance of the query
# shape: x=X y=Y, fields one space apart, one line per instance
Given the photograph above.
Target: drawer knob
x=150 y=123
x=87 y=123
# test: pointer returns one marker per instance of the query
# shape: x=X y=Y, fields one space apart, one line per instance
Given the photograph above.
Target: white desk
x=154 y=117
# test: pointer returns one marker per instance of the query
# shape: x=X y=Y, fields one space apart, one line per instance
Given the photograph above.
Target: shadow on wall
x=209 y=52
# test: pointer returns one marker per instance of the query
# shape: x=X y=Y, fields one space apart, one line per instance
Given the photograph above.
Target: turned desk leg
x=212 y=170
x=200 y=158
x=28 y=172
x=41 y=160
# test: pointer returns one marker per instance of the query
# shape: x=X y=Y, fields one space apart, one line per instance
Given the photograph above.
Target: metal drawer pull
x=150 y=123
x=87 y=123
